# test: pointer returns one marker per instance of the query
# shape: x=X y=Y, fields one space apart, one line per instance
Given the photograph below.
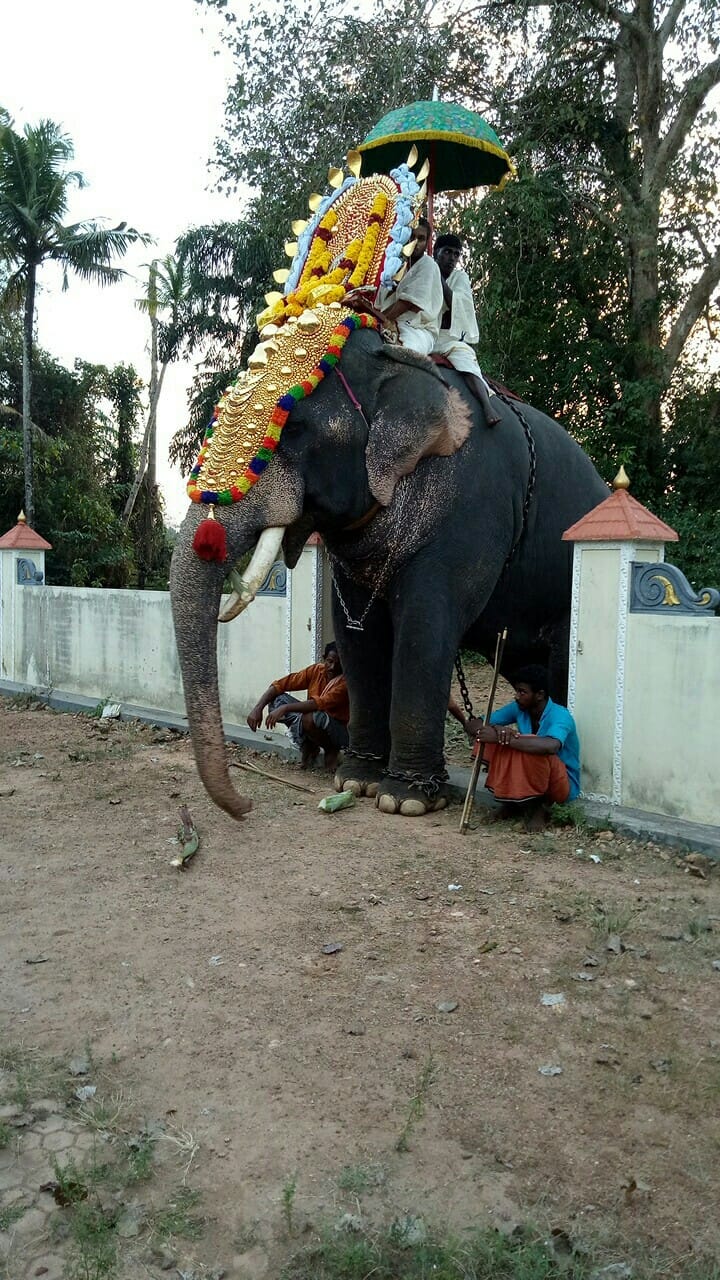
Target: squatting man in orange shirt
x=318 y=723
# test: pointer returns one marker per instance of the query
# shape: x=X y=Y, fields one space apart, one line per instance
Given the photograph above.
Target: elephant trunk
x=195 y=588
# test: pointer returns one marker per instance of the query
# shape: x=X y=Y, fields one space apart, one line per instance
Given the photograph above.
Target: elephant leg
x=426 y=638
x=367 y=665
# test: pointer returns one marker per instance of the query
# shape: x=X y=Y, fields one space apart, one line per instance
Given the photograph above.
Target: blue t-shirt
x=555 y=722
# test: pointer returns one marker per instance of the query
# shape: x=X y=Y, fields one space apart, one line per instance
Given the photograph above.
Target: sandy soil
x=206 y=997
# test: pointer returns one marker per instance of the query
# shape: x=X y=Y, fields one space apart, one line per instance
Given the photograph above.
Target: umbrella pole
x=431 y=193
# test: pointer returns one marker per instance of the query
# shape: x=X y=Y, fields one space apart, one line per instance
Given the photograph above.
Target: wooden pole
x=431 y=194
x=477 y=762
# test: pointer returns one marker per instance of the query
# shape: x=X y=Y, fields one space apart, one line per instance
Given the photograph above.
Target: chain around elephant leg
x=360 y=772
x=412 y=794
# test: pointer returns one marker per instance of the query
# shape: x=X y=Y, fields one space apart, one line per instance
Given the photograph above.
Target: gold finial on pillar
x=22 y=518
x=621 y=480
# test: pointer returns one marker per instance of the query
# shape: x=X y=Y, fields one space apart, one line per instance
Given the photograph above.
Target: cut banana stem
x=188 y=839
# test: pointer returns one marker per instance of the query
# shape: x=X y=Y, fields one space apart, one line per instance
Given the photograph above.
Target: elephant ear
x=417 y=415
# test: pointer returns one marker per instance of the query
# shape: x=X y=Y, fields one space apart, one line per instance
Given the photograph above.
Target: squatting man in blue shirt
x=532 y=751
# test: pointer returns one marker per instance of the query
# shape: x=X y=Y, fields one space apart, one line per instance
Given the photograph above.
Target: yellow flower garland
x=319 y=284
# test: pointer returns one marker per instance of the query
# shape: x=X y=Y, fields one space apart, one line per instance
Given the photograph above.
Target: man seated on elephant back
x=458 y=322
x=415 y=303
x=536 y=764
x=320 y=722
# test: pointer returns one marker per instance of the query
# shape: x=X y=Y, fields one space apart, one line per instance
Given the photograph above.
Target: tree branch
x=694 y=95
x=697 y=302
x=669 y=22
x=611 y=11
x=38 y=431
x=144 y=450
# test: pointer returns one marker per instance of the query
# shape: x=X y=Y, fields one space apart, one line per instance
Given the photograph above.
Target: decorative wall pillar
x=22 y=566
x=608 y=541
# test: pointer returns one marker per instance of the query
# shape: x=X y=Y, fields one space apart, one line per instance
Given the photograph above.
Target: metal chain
x=429 y=785
x=529 y=491
x=467 y=703
x=530 y=488
x=362 y=755
x=356 y=624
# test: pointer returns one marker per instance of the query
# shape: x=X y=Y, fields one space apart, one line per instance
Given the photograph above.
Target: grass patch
x=698 y=927
x=485 y=1256
x=6 y=1134
x=92 y=1251
x=104 y=1115
x=356 y=1178
x=32 y=1077
x=13 y=1213
x=611 y=919
x=416 y=1107
x=177 y=1220
x=139 y=1156
x=288 y=1202
x=571 y=814
x=482 y=1255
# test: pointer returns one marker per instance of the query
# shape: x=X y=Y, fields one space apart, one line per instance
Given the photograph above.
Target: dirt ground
x=400 y=1074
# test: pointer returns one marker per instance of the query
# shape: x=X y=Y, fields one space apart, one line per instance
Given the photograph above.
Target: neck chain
x=358 y=624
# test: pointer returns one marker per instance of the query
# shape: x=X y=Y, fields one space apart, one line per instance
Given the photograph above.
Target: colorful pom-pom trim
x=278 y=418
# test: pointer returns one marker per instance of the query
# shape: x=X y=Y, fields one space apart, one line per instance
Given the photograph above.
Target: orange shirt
x=330 y=695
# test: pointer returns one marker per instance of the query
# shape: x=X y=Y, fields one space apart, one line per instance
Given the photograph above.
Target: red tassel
x=210 y=541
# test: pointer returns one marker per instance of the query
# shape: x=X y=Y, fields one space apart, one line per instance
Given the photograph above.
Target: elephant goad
x=441 y=532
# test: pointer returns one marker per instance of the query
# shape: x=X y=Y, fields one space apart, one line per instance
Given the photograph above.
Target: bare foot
x=505 y=812
x=331 y=760
x=308 y=755
x=536 y=816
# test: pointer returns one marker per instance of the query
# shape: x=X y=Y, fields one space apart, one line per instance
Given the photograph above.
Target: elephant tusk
x=245 y=588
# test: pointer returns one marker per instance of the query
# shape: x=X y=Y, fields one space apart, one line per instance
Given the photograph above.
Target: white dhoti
x=461 y=356
x=453 y=341
x=419 y=326
x=415 y=338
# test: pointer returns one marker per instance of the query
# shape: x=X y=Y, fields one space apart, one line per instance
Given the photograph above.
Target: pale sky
x=140 y=89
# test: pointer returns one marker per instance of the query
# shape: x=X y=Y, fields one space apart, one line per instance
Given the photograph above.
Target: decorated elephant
x=440 y=532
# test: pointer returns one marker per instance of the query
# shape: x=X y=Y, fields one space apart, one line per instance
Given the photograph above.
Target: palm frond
x=92 y=242
x=12 y=294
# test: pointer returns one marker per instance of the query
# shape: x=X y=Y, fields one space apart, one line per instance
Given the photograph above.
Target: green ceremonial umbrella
x=461 y=148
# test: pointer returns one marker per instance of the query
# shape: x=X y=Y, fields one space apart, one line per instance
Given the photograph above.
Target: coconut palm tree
x=35 y=188
x=167 y=291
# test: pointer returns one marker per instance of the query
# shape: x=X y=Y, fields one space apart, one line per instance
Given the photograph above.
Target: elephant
x=441 y=531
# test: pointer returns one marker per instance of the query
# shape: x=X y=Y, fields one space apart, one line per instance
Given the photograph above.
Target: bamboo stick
x=253 y=768
x=477 y=762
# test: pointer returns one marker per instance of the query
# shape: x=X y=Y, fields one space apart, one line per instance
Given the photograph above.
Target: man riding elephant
x=439 y=532
x=458 y=322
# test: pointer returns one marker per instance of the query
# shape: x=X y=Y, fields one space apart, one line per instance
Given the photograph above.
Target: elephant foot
x=362 y=777
x=411 y=795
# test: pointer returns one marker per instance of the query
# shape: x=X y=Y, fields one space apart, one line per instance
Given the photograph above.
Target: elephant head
x=341 y=453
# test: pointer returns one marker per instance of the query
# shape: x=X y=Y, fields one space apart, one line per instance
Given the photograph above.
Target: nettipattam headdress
x=360 y=236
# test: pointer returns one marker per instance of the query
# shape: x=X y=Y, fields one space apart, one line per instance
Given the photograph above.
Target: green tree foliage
x=81 y=455
x=35 y=189
x=609 y=110
x=123 y=389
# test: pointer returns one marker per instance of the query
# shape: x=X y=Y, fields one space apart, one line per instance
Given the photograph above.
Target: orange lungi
x=518 y=776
